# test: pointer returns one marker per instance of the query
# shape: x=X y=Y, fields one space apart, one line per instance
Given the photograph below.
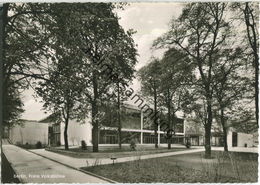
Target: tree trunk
x=66 y=134
x=224 y=127
x=257 y=89
x=207 y=142
x=3 y=83
x=155 y=120
x=254 y=45
x=156 y=136
x=94 y=127
x=95 y=130
x=169 y=143
x=119 y=117
x=4 y=15
x=169 y=119
x=95 y=137
x=208 y=130
x=225 y=140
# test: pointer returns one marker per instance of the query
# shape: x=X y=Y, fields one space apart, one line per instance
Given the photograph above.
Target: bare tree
x=200 y=31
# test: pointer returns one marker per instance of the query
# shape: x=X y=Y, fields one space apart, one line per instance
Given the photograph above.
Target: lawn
x=187 y=168
x=114 y=152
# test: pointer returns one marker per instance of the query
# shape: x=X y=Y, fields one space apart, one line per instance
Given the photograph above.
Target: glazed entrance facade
x=133 y=123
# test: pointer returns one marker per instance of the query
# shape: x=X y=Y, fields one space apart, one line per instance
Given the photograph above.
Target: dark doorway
x=234 y=139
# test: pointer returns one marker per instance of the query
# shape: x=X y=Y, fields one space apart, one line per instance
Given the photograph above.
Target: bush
x=83 y=145
x=26 y=146
x=132 y=145
x=188 y=144
x=38 y=145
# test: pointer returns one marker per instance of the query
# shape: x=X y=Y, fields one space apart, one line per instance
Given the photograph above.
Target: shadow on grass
x=188 y=168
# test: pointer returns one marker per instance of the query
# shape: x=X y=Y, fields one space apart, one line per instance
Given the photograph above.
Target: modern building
x=134 y=127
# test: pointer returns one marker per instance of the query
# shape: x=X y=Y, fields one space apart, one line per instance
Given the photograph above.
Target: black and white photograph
x=129 y=92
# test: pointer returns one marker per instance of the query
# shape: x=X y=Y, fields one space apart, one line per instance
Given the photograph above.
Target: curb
x=78 y=169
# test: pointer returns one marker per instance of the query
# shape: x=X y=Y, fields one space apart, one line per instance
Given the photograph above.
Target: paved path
x=238 y=149
x=81 y=162
x=32 y=168
x=233 y=149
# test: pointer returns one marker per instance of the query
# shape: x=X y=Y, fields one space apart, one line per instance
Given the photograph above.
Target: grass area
x=114 y=152
x=187 y=168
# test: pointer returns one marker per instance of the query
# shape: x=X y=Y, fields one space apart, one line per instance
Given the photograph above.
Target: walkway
x=32 y=168
x=233 y=149
x=238 y=149
x=79 y=162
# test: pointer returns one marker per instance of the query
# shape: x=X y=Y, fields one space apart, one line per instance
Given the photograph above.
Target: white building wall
x=30 y=132
x=229 y=139
x=243 y=139
x=77 y=132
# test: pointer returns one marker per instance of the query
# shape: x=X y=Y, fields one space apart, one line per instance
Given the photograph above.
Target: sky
x=149 y=20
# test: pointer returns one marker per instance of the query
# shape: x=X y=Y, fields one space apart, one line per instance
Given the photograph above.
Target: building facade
x=134 y=126
x=30 y=132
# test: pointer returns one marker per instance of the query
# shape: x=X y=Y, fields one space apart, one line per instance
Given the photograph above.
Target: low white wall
x=77 y=132
x=30 y=132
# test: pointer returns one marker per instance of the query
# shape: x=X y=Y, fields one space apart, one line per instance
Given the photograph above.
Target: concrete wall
x=30 y=132
x=77 y=132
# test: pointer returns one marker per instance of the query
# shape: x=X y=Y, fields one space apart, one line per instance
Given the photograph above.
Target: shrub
x=38 y=145
x=188 y=144
x=26 y=146
x=83 y=145
x=132 y=145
